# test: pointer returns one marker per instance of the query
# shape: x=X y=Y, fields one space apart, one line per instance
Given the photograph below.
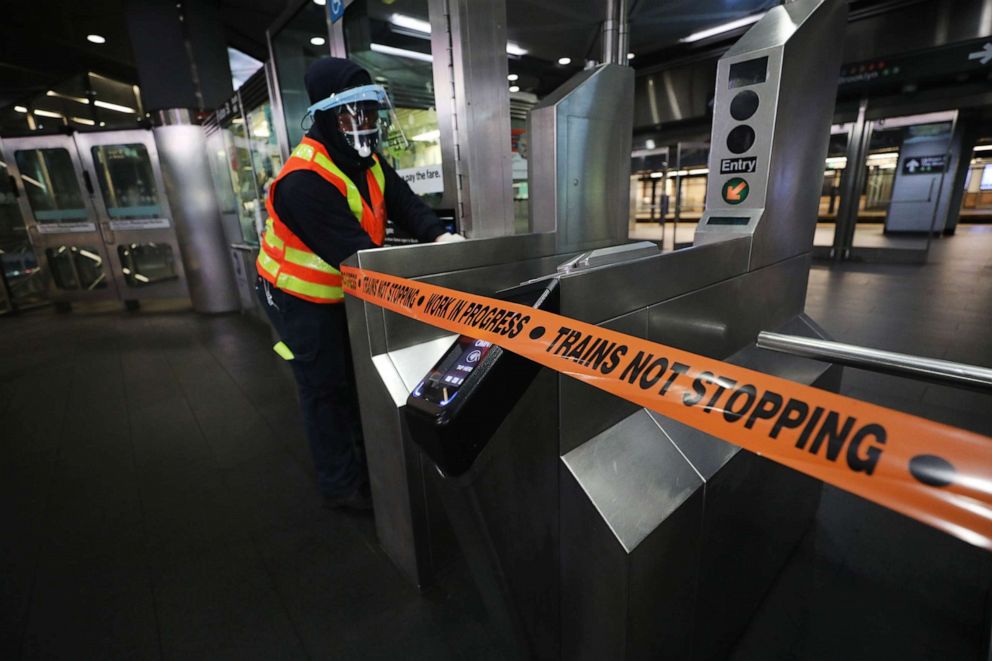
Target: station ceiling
x=43 y=42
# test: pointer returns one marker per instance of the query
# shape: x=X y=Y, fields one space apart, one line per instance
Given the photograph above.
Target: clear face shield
x=363 y=114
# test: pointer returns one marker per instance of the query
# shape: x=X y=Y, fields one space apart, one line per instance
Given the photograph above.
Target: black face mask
x=325 y=77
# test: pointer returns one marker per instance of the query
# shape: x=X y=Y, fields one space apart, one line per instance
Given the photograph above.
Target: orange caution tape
x=935 y=473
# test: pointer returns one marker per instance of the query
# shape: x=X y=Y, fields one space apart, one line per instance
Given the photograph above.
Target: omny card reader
x=469 y=391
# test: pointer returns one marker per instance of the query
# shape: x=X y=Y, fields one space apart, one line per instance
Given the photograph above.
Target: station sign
x=924 y=164
x=932 y=63
x=335 y=10
x=747 y=164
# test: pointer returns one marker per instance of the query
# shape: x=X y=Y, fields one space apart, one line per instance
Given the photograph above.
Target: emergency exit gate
x=98 y=216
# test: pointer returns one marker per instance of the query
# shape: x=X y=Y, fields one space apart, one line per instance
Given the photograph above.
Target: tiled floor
x=868 y=583
x=156 y=498
x=157 y=502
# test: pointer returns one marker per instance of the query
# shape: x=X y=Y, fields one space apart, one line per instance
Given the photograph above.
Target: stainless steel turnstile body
x=617 y=532
x=597 y=529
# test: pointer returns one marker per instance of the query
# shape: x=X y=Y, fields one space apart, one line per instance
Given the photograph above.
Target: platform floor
x=156 y=498
x=866 y=235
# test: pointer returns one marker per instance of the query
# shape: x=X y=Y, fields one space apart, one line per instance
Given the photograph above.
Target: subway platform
x=157 y=499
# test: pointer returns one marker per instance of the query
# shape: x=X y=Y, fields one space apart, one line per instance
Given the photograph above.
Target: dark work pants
x=318 y=337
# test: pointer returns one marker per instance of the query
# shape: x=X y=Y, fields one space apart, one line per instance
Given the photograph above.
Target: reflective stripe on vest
x=285 y=261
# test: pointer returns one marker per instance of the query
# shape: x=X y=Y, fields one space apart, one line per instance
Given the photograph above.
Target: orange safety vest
x=284 y=260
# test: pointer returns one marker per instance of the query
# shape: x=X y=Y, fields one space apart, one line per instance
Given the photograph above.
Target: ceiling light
x=77 y=99
x=317 y=41
x=320 y=2
x=514 y=88
x=47 y=113
x=649 y=143
x=978 y=148
x=410 y=23
x=657 y=175
x=512 y=77
x=699 y=171
x=80 y=120
x=720 y=29
x=114 y=106
x=20 y=109
x=427 y=136
x=515 y=49
x=96 y=39
x=401 y=52
x=564 y=60
x=103 y=123
x=630 y=56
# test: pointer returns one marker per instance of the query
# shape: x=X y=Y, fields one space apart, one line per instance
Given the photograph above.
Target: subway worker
x=330 y=200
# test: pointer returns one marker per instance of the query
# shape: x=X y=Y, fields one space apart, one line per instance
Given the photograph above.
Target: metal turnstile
x=97 y=213
x=597 y=529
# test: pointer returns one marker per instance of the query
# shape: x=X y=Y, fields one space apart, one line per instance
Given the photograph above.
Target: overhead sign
x=937 y=474
x=924 y=164
x=735 y=190
x=335 y=10
x=983 y=55
x=932 y=63
x=745 y=164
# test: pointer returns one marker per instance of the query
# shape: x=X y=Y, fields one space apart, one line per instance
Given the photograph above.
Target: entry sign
x=746 y=164
x=923 y=164
x=735 y=190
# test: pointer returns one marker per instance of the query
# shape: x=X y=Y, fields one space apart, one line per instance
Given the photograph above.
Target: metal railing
x=899 y=364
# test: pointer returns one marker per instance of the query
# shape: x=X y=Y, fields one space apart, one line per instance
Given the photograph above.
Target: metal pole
x=888 y=362
x=850 y=186
x=623 y=29
x=615 y=32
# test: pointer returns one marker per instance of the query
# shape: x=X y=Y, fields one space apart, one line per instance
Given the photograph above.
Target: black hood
x=325 y=77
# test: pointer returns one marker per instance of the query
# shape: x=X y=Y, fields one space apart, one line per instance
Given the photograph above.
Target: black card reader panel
x=463 y=399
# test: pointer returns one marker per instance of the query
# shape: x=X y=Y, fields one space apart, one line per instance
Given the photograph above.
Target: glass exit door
x=56 y=205
x=134 y=215
x=96 y=209
x=23 y=281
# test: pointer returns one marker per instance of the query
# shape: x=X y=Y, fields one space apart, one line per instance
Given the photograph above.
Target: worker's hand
x=448 y=237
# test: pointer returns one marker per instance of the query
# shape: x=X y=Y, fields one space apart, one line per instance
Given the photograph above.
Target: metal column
x=182 y=148
x=852 y=181
x=468 y=43
x=579 y=178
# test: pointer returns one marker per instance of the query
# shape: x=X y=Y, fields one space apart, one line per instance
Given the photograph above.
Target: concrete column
x=468 y=43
